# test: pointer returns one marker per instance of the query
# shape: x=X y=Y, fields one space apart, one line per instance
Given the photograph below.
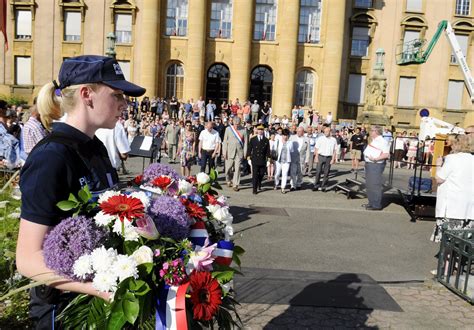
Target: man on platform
x=324 y=157
x=376 y=153
x=209 y=146
x=234 y=148
x=258 y=153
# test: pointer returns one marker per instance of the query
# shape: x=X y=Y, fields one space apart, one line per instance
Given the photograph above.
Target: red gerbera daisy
x=206 y=295
x=124 y=207
x=193 y=209
x=162 y=182
x=138 y=179
x=212 y=200
x=192 y=179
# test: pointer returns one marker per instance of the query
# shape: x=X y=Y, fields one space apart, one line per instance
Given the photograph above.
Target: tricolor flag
x=3 y=21
x=171 y=308
x=198 y=234
x=223 y=253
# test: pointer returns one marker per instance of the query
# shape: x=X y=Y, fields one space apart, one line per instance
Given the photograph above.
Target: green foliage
x=13 y=99
x=13 y=311
x=84 y=310
x=81 y=205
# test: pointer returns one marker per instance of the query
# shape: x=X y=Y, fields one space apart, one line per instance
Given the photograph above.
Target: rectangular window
x=356 y=89
x=177 y=18
x=72 y=26
x=265 y=20
x=360 y=41
x=221 y=19
x=363 y=3
x=125 y=66
x=23 y=24
x=406 y=91
x=123 y=28
x=463 y=7
x=415 y=5
x=455 y=89
x=310 y=21
x=463 y=43
x=22 y=70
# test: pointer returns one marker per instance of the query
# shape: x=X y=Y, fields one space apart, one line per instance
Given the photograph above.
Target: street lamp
x=111 y=45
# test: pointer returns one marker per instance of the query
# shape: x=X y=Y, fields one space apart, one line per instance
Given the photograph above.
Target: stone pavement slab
x=428 y=306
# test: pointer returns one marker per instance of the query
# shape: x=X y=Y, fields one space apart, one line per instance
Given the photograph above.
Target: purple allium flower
x=170 y=217
x=155 y=170
x=70 y=239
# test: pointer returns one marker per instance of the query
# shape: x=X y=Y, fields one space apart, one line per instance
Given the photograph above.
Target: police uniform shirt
x=53 y=170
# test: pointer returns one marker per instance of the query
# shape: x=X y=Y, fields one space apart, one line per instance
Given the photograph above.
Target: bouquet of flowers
x=163 y=247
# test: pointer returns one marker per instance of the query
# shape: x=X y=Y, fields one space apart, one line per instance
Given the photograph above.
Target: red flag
x=3 y=21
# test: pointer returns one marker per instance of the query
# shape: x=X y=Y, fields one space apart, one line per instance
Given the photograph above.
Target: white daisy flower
x=83 y=266
x=106 y=195
x=125 y=266
x=102 y=259
x=103 y=220
x=105 y=282
x=142 y=197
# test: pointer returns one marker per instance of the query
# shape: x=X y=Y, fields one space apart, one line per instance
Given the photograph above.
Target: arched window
x=175 y=81
x=304 y=88
x=261 y=84
x=217 y=84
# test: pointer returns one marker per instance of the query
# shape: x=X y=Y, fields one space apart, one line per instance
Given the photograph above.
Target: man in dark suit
x=258 y=153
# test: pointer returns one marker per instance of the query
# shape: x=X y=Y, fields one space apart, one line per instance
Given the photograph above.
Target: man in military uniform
x=258 y=153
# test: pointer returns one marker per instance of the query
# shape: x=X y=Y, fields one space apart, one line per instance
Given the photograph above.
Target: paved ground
x=325 y=232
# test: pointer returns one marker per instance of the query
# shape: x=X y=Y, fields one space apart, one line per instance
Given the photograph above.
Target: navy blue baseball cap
x=88 y=69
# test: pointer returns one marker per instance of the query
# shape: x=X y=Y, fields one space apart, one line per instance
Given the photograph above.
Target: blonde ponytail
x=49 y=106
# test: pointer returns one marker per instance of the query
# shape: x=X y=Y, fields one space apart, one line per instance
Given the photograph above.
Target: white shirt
x=377 y=147
x=399 y=143
x=326 y=145
x=115 y=141
x=209 y=140
x=455 y=196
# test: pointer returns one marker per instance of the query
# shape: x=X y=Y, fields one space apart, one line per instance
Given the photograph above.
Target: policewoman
x=91 y=91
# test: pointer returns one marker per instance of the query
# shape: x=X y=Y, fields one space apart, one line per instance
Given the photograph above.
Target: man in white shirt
x=375 y=154
x=116 y=143
x=209 y=146
x=255 y=109
x=324 y=157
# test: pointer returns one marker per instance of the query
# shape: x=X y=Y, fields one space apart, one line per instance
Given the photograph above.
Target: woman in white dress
x=454 y=201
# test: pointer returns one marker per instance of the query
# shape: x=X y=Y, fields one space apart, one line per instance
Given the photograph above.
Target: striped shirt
x=33 y=132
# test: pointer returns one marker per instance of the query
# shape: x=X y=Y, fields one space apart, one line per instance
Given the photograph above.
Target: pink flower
x=146 y=228
x=201 y=258
x=157 y=253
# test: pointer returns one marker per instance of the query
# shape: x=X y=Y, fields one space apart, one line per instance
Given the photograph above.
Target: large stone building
x=317 y=53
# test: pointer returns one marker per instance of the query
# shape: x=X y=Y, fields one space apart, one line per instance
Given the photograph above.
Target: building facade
x=315 y=53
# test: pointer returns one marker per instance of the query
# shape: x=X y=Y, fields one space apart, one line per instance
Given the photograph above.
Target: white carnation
x=202 y=178
x=125 y=267
x=143 y=255
x=185 y=187
x=223 y=215
x=131 y=234
x=102 y=219
x=83 y=266
x=102 y=259
x=142 y=197
x=106 y=195
x=105 y=282
x=213 y=208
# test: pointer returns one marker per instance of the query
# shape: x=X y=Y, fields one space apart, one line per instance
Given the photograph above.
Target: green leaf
x=130 y=246
x=73 y=198
x=131 y=307
x=145 y=269
x=84 y=194
x=167 y=239
x=238 y=250
x=236 y=259
x=117 y=316
x=206 y=187
x=139 y=287
x=85 y=312
x=213 y=174
x=223 y=277
x=67 y=205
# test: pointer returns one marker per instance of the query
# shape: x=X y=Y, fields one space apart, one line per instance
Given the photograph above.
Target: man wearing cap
x=259 y=154
x=234 y=148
